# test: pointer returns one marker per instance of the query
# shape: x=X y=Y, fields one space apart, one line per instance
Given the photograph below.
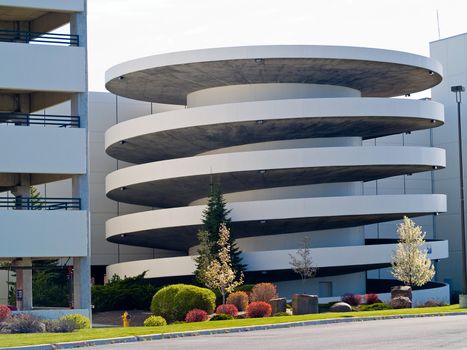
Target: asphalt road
x=449 y=332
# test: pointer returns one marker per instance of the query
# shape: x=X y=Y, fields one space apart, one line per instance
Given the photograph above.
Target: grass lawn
x=9 y=340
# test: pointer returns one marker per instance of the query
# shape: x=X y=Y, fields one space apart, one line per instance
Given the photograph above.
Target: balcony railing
x=28 y=203
x=26 y=119
x=17 y=36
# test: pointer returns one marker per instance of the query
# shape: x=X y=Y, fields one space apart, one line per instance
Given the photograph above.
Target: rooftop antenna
x=437 y=19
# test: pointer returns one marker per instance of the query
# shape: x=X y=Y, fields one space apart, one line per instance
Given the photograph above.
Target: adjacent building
x=42 y=68
x=299 y=137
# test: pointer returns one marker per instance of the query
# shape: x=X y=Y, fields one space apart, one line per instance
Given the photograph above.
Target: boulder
x=305 y=304
x=278 y=305
x=340 y=307
x=401 y=303
x=401 y=291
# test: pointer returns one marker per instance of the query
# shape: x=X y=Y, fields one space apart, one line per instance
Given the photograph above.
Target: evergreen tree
x=214 y=215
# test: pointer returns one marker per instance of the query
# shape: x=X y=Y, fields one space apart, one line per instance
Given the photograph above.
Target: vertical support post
x=80 y=183
x=24 y=284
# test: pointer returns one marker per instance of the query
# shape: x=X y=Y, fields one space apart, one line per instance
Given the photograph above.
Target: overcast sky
x=119 y=30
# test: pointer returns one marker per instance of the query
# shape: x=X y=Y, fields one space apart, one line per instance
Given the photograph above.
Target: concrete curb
x=148 y=337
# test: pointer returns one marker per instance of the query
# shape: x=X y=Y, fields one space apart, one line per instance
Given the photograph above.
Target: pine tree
x=214 y=215
x=410 y=264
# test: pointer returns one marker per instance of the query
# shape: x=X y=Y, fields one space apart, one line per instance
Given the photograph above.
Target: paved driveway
x=449 y=332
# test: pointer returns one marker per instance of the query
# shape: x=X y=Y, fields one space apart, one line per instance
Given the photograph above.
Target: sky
x=120 y=30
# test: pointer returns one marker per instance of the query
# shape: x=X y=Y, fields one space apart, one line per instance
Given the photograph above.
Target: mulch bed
x=114 y=318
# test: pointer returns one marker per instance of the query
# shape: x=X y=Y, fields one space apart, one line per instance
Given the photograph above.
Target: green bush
x=374 y=307
x=80 y=321
x=123 y=294
x=244 y=288
x=155 y=321
x=221 y=317
x=174 y=301
x=281 y=314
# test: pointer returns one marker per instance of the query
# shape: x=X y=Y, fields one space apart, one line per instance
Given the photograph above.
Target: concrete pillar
x=80 y=183
x=24 y=284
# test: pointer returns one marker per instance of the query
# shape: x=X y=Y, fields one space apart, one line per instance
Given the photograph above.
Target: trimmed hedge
x=155 y=321
x=174 y=301
x=123 y=294
x=79 y=321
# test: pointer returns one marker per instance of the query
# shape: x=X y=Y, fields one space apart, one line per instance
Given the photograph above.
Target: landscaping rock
x=401 y=303
x=305 y=304
x=278 y=305
x=340 y=307
x=401 y=291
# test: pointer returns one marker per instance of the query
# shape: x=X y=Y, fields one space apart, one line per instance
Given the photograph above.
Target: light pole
x=458 y=90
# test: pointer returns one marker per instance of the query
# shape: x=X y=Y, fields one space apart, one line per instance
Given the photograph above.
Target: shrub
x=259 y=309
x=4 y=312
x=401 y=303
x=196 y=315
x=174 y=301
x=263 y=292
x=22 y=323
x=155 y=321
x=239 y=299
x=80 y=321
x=228 y=309
x=59 y=326
x=245 y=288
x=352 y=299
x=123 y=294
x=374 y=307
x=433 y=303
x=281 y=314
x=372 y=298
x=221 y=317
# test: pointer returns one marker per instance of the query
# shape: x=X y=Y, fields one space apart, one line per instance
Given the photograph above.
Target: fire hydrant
x=126 y=319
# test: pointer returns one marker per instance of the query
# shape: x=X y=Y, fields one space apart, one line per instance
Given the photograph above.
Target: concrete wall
x=452 y=53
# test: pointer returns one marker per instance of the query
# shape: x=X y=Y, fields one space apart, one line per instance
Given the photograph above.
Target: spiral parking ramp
x=281 y=129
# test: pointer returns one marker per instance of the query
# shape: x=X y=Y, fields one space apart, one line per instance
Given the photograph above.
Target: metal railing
x=26 y=119
x=18 y=36
x=28 y=203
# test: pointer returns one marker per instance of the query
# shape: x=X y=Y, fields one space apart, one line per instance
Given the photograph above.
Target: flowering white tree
x=219 y=273
x=410 y=264
x=302 y=263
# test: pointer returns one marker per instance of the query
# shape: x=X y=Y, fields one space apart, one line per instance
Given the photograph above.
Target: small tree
x=410 y=264
x=204 y=256
x=219 y=274
x=302 y=262
x=214 y=216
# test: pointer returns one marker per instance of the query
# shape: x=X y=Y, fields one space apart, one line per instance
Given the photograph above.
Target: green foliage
x=374 y=307
x=214 y=215
x=50 y=284
x=221 y=317
x=282 y=314
x=155 y=321
x=80 y=321
x=123 y=294
x=245 y=288
x=174 y=301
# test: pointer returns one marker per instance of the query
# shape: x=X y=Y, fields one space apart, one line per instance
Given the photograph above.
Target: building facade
x=42 y=68
x=291 y=134
x=452 y=53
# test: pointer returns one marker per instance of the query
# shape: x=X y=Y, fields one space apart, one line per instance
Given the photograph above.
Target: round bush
x=228 y=309
x=80 y=321
x=263 y=292
x=374 y=307
x=239 y=299
x=4 y=312
x=174 y=301
x=196 y=315
x=221 y=317
x=372 y=298
x=155 y=321
x=259 y=309
x=352 y=299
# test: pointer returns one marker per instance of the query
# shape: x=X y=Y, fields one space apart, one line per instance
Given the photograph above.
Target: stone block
x=340 y=307
x=305 y=304
x=401 y=291
x=278 y=305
